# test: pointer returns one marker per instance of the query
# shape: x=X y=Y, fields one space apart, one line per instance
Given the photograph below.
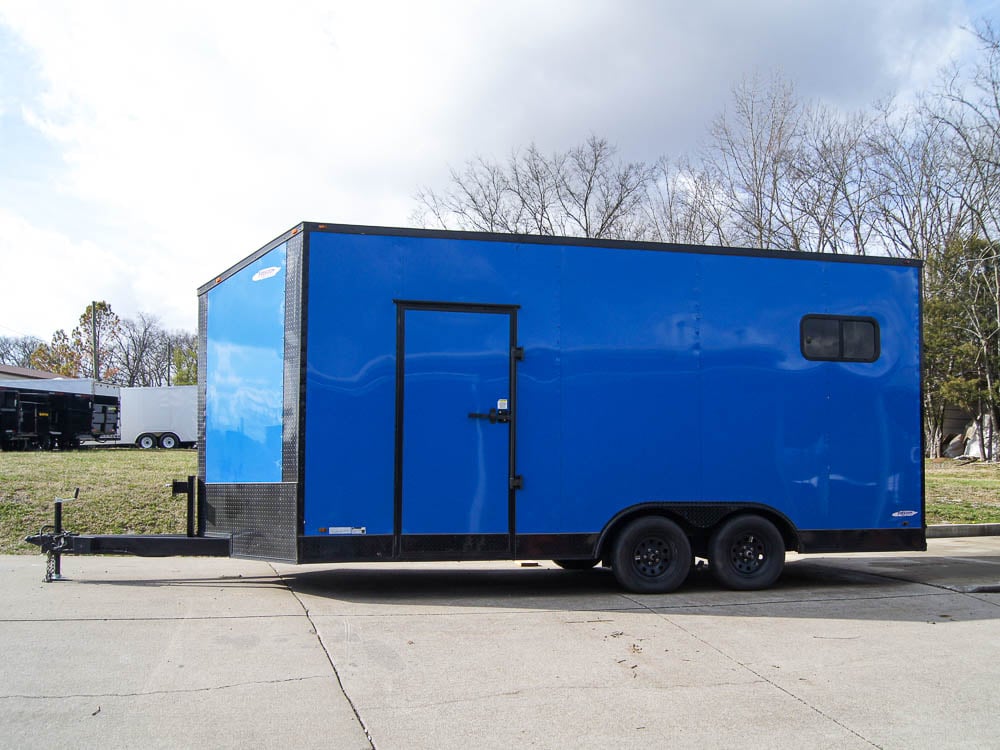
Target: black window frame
x=841 y=319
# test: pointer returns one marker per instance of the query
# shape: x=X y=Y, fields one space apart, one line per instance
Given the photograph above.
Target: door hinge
x=517 y=352
x=517 y=482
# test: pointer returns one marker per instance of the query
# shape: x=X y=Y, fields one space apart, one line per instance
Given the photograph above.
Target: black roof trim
x=534 y=239
x=280 y=239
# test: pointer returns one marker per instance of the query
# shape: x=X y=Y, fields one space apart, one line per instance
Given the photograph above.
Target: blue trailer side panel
x=630 y=386
x=350 y=383
x=874 y=426
x=644 y=373
x=244 y=372
x=764 y=406
x=832 y=445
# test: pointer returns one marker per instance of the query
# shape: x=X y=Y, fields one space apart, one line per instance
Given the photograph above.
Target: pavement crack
x=754 y=672
x=141 y=693
x=329 y=657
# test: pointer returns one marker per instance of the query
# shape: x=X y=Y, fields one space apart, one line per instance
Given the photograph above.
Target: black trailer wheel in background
x=169 y=441
x=576 y=564
x=746 y=553
x=652 y=555
x=146 y=441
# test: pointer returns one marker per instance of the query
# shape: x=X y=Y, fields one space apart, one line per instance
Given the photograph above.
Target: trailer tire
x=169 y=441
x=146 y=441
x=746 y=553
x=576 y=564
x=652 y=555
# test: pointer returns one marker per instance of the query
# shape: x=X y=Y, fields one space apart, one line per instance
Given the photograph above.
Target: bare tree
x=586 y=191
x=600 y=195
x=17 y=350
x=751 y=156
x=917 y=208
x=969 y=110
x=833 y=190
x=683 y=205
x=536 y=187
x=141 y=351
x=479 y=198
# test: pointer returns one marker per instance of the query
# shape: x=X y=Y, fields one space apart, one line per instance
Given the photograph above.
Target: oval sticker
x=266 y=273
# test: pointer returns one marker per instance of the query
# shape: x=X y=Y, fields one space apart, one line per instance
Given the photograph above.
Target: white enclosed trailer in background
x=165 y=417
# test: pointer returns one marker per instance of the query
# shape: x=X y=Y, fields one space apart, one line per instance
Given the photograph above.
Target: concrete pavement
x=845 y=651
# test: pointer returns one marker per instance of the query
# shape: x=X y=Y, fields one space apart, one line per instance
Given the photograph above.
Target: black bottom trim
x=863 y=540
x=557 y=546
x=151 y=545
x=373 y=548
x=354 y=548
x=454 y=546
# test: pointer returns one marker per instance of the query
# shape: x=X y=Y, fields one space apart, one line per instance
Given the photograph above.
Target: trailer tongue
x=55 y=541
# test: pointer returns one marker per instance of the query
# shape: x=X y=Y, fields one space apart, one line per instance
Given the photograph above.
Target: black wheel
x=652 y=555
x=146 y=441
x=746 y=553
x=169 y=441
x=576 y=564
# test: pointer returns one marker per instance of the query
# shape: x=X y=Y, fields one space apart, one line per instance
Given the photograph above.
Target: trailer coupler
x=53 y=542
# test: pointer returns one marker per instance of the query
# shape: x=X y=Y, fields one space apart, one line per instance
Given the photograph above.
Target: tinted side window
x=859 y=340
x=839 y=339
x=821 y=338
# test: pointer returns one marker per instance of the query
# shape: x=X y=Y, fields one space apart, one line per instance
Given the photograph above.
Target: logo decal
x=904 y=513
x=266 y=273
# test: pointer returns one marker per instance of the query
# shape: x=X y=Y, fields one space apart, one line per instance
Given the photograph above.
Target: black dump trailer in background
x=55 y=413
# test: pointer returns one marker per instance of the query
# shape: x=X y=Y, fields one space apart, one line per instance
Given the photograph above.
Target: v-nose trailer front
x=369 y=394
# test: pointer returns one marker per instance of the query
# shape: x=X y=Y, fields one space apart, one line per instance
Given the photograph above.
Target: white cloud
x=191 y=133
x=47 y=273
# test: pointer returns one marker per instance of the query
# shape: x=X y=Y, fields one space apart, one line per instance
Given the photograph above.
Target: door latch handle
x=494 y=416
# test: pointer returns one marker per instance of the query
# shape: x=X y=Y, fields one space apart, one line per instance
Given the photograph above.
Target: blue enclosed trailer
x=369 y=393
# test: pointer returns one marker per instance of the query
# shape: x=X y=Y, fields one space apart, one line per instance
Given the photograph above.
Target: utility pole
x=93 y=328
x=170 y=359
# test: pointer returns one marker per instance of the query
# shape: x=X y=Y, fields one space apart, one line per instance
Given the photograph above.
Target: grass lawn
x=962 y=493
x=121 y=491
x=128 y=491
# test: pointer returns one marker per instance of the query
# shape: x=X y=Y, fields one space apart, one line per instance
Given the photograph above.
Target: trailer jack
x=54 y=541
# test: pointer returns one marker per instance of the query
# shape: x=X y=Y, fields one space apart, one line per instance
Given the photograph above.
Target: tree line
x=916 y=181
x=130 y=352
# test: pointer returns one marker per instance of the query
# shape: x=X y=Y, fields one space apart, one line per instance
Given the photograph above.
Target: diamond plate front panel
x=260 y=517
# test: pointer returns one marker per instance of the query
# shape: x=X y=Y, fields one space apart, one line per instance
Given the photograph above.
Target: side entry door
x=455 y=428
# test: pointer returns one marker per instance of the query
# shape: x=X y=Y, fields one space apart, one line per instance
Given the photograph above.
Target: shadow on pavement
x=808 y=588
x=905 y=588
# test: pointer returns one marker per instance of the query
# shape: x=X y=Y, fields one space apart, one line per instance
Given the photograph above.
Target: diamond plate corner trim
x=293 y=360
x=202 y=379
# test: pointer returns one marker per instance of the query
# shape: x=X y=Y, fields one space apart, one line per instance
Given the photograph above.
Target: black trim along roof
x=534 y=239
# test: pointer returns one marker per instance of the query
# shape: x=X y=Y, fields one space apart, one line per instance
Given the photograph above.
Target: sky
x=146 y=147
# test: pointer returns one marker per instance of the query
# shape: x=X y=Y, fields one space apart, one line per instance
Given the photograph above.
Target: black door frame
x=464 y=546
